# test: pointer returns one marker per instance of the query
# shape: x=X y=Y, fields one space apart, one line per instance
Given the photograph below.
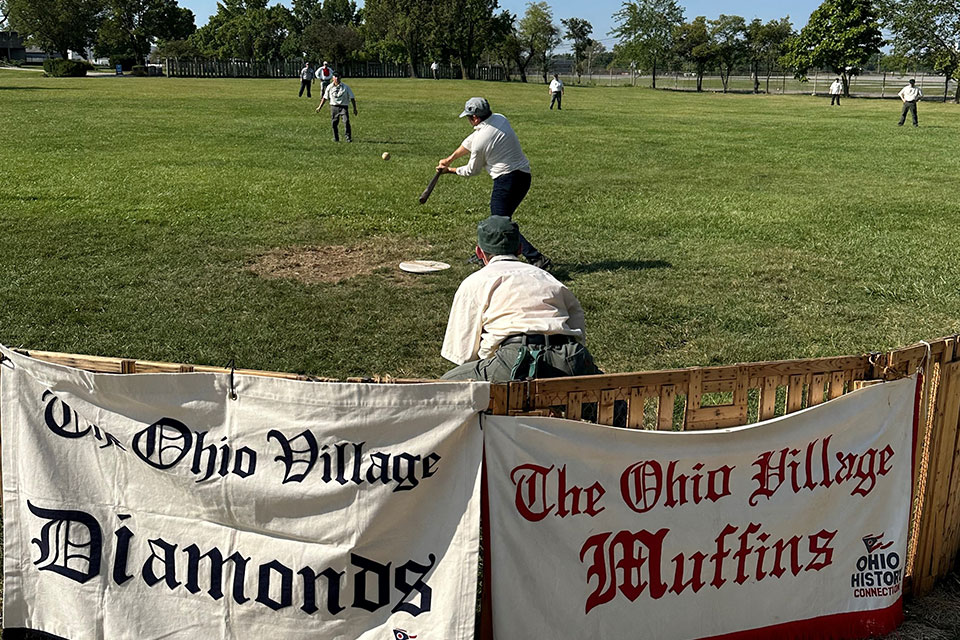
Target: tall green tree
x=249 y=29
x=928 y=30
x=504 y=44
x=578 y=31
x=466 y=26
x=729 y=42
x=692 y=43
x=538 y=35
x=645 y=29
x=841 y=35
x=768 y=45
x=130 y=27
x=401 y=25
x=56 y=26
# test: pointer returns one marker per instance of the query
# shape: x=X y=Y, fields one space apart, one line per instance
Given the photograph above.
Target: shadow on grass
x=566 y=272
x=32 y=88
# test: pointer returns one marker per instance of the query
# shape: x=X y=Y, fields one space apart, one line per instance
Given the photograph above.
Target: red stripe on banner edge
x=852 y=625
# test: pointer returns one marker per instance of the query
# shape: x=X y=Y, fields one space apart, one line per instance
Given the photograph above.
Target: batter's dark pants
x=337 y=112
x=305 y=84
x=835 y=97
x=555 y=96
x=912 y=108
x=508 y=192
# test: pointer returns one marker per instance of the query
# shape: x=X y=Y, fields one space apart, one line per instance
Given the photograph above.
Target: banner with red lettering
x=201 y=505
x=791 y=528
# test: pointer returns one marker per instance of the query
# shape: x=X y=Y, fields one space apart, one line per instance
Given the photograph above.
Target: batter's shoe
x=543 y=262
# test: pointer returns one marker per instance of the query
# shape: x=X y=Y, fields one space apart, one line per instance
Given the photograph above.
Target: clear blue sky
x=600 y=13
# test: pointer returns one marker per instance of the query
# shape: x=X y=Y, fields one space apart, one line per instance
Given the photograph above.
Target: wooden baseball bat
x=433 y=182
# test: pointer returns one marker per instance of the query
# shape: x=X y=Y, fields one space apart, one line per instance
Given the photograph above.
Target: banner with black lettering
x=173 y=505
x=791 y=528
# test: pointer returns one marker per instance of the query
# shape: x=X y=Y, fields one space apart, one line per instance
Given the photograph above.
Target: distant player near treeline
x=910 y=95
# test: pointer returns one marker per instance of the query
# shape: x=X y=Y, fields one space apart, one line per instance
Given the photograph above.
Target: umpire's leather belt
x=549 y=340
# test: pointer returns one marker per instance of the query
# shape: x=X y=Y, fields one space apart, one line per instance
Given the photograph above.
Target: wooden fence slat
x=836 y=385
x=635 y=408
x=932 y=517
x=768 y=397
x=605 y=410
x=574 y=405
x=499 y=394
x=694 y=397
x=795 y=393
x=668 y=396
x=816 y=389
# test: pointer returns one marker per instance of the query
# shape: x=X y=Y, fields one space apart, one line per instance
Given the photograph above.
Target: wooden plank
x=499 y=394
x=768 y=397
x=714 y=418
x=605 y=410
x=937 y=485
x=694 y=397
x=741 y=396
x=517 y=396
x=668 y=396
x=719 y=386
x=574 y=405
x=817 y=383
x=635 y=408
x=128 y=366
x=836 y=385
x=795 y=393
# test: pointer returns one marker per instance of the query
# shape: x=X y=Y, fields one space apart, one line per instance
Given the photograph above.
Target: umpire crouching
x=511 y=320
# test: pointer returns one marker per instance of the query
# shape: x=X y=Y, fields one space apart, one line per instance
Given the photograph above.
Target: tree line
x=842 y=36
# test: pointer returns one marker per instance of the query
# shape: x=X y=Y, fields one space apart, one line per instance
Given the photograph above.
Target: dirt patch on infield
x=334 y=263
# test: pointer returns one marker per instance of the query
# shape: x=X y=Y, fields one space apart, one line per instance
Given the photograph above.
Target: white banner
x=796 y=527
x=154 y=506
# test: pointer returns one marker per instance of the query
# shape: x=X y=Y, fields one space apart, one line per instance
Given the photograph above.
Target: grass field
x=696 y=229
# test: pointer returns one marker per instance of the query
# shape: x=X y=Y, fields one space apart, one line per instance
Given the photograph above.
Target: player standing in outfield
x=556 y=91
x=836 y=90
x=494 y=146
x=340 y=97
x=512 y=321
x=324 y=75
x=910 y=95
x=306 y=79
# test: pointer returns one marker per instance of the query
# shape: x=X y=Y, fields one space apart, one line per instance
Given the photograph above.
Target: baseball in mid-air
x=386 y=155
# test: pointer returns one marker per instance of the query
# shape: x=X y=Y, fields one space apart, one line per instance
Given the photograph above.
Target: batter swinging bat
x=433 y=182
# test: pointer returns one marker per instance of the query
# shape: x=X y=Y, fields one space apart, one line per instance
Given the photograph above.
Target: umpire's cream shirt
x=493 y=146
x=505 y=298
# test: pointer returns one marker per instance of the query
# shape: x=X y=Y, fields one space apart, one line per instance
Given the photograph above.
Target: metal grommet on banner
x=233 y=389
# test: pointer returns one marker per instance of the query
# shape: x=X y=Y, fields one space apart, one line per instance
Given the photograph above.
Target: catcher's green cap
x=498 y=235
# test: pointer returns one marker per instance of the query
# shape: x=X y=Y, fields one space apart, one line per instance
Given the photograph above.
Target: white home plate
x=423 y=266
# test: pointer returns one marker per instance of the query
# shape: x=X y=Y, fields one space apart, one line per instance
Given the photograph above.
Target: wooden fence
x=235 y=68
x=725 y=396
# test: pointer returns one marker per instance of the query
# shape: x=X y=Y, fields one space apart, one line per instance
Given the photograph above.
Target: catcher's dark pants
x=336 y=112
x=555 y=96
x=516 y=362
x=508 y=192
x=912 y=108
x=834 y=97
x=305 y=84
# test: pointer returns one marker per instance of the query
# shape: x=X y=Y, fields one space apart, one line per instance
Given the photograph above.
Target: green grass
x=695 y=229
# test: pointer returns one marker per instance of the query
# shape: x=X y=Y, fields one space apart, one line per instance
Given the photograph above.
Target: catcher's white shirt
x=910 y=94
x=505 y=298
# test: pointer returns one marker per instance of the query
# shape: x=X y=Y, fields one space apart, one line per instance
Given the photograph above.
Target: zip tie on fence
x=233 y=390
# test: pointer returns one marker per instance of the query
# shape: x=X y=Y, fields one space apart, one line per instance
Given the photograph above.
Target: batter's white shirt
x=505 y=298
x=910 y=94
x=338 y=94
x=555 y=86
x=493 y=146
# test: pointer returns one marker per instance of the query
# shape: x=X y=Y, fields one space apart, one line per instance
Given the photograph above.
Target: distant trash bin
x=119 y=69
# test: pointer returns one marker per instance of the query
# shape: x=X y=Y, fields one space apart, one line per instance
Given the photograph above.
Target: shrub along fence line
x=725 y=396
x=236 y=68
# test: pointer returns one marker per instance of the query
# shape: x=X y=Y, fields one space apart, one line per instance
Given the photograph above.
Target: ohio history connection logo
x=879 y=572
